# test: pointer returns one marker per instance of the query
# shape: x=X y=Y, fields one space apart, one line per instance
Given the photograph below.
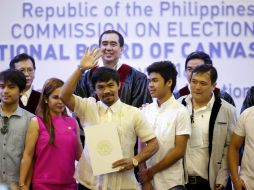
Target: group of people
x=36 y=132
x=189 y=139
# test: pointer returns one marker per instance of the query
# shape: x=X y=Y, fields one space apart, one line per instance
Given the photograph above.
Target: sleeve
x=86 y=109
x=249 y=99
x=80 y=107
x=140 y=93
x=183 y=122
x=222 y=175
x=240 y=130
x=142 y=127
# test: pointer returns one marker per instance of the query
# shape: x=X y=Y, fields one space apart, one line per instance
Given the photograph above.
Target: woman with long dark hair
x=52 y=144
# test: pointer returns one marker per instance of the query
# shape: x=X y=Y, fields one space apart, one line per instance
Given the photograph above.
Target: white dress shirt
x=130 y=123
x=197 y=154
x=24 y=98
x=168 y=121
x=116 y=67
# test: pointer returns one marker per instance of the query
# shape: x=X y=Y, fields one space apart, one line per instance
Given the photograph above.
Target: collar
x=117 y=66
x=28 y=92
x=17 y=112
x=209 y=105
x=114 y=108
x=166 y=103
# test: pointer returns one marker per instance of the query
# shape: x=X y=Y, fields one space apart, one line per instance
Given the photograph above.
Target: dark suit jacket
x=32 y=102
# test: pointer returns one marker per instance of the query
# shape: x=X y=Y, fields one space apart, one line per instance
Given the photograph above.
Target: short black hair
x=199 y=55
x=14 y=76
x=104 y=74
x=21 y=57
x=121 y=39
x=166 y=69
x=204 y=68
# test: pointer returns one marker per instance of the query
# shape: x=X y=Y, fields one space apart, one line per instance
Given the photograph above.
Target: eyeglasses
x=5 y=124
x=28 y=70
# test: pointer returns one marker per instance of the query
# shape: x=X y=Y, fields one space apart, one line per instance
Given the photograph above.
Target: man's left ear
x=119 y=85
x=122 y=49
x=169 y=83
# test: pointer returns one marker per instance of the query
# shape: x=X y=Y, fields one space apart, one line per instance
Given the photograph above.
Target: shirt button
x=4 y=144
x=3 y=172
x=4 y=158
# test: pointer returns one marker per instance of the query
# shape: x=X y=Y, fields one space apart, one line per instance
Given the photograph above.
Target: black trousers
x=204 y=185
x=229 y=184
x=178 y=187
x=82 y=187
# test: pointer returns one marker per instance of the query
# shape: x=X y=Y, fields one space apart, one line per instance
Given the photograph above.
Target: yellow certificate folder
x=104 y=147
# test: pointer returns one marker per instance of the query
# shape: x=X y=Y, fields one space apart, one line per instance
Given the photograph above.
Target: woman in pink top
x=52 y=144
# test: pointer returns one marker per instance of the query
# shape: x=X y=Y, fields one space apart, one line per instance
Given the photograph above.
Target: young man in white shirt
x=170 y=121
x=129 y=121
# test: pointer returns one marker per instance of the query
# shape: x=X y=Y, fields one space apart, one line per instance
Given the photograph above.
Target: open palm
x=90 y=59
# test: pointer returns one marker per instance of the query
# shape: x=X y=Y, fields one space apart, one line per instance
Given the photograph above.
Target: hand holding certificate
x=104 y=147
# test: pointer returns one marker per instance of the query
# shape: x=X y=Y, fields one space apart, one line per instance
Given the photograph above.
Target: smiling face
x=202 y=87
x=27 y=68
x=107 y=92
x=55 y=104
x=9 y=93
x=110 y=49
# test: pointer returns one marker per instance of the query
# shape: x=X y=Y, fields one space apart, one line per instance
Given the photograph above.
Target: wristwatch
x=134 y=162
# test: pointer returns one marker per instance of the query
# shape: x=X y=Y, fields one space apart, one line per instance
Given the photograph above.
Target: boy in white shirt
x=171 y=124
